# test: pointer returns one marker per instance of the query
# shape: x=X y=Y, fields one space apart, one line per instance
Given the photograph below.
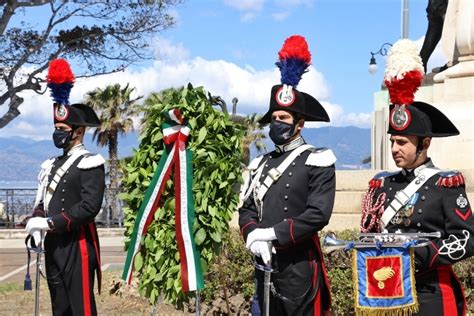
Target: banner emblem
x=382 y=275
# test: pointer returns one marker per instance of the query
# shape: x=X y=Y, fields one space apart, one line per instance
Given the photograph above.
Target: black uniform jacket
x=297 y=206
x=78 y=196
x=441 y=205
x=72 y=208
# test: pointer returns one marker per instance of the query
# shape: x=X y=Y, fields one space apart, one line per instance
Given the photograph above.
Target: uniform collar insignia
x=290 y=146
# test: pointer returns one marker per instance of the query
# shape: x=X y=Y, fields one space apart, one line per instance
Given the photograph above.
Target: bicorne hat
x=60 y=81
x=294 y=59
x=403 y=77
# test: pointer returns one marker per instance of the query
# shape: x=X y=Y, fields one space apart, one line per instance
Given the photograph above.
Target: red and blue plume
x=295 y=59
x=60 y=80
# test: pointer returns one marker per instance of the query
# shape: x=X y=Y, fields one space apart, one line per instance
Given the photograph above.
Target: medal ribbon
x=175 y=156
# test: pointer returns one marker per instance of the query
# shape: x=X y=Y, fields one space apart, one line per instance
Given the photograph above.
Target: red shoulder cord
x=374 y=209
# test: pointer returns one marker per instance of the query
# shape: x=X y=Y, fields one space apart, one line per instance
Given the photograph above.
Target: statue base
x=465 y=68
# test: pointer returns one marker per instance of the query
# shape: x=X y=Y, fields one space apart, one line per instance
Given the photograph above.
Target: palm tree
x=115 y=108
x=253 y=135
x=253 y=131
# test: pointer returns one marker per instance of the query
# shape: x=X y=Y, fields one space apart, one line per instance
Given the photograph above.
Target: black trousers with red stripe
x=299 y=286
x=71 y=261
x=440 y=293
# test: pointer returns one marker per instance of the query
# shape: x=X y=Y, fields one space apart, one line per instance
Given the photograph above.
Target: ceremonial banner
x=176 y=155
x=384 y=281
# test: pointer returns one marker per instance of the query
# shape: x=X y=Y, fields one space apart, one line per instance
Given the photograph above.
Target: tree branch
x=119 y=39
x=12 y=112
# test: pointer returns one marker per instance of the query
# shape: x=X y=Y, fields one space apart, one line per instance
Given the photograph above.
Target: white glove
x=36 y=224
x=263 y=234
x=38 y=238
x=260 y=249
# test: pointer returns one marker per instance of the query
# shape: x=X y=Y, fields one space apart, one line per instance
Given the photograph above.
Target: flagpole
x=198 y=303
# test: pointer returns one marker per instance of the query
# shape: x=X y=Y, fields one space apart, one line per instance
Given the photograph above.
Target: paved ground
x=13 y=257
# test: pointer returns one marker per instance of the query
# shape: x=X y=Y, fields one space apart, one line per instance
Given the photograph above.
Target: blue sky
x=230 y=48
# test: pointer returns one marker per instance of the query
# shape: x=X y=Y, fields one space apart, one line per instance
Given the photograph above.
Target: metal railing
x=17 y=203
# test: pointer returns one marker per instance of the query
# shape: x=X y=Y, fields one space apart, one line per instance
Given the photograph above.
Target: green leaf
x=123 y=196
x=216 y=237
x=151 y=272
x=210 y=119
x=204 y=202
x=202 y=135
x=223 y=184
x=138 y=262
x=132 y=177
x=200 y=236
x=143 y=172
x=174 y=269
x=212 y=210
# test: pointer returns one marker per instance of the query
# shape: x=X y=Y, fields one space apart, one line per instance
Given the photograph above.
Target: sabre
x=267 y=270
x=38 y=249
x=267 y=283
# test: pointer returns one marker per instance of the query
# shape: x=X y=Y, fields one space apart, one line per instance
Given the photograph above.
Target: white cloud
x=280 y=16
x=248 y=17
x=165 y=50
x=28 y=129
x=294 y=3
x=245 y=5
x=228 y=80
x=340 y=118
x=249 y=8
x=283 y=8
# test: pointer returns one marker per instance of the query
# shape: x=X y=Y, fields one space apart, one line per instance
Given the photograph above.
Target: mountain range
x=351 y=145
x=21 y=157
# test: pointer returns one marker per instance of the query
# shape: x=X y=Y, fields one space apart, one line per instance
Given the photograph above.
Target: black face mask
x=62 y=139
x=281 y=132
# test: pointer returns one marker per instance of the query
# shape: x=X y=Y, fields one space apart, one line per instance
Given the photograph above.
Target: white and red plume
x=404 y=72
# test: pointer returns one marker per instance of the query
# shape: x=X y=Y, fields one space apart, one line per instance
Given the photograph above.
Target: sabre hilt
x=267 y=282
x=270 y=247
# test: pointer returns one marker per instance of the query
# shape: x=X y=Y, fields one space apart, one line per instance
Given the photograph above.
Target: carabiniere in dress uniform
x=420 y=198
x=287 y=199
x=70 y=193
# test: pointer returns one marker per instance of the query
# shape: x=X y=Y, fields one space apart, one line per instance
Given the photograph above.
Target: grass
x=116 y=299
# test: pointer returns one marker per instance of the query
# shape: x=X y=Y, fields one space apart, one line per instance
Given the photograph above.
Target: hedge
x=232 y=271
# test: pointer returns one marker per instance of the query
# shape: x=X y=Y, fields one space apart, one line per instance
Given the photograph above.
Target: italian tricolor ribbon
x=177 y=156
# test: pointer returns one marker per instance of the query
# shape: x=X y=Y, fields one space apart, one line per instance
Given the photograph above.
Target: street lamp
x=382 y=51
